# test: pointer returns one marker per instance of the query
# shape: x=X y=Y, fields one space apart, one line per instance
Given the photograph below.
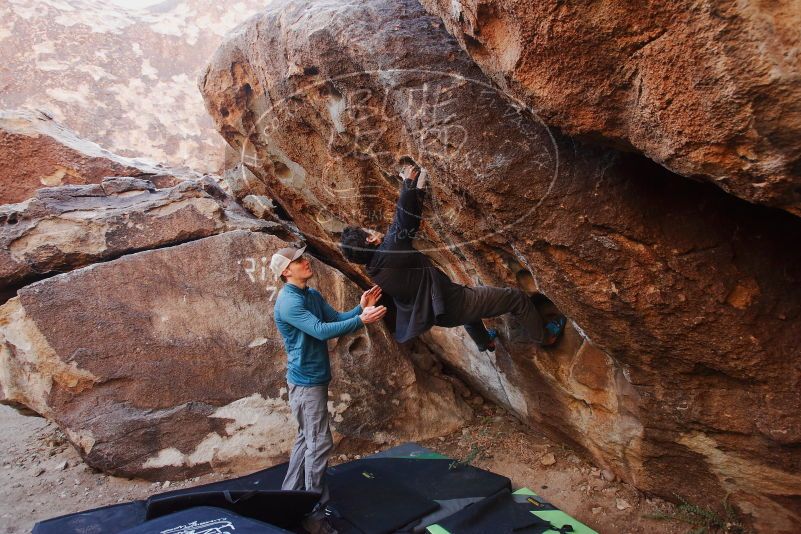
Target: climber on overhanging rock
x=423 y=294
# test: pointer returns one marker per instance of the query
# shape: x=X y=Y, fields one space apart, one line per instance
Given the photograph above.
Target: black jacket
x=418 y=288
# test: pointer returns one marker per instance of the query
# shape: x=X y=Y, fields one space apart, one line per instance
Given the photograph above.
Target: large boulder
x=710 y=90
x=679 y=370
x=36 y=152
x=62 y=228
x=124 y=78
x=167 y=363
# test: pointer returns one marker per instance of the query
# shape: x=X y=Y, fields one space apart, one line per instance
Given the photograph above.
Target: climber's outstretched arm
x=408 y=209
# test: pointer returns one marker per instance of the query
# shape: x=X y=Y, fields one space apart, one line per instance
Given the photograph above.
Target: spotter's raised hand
x=370 y=297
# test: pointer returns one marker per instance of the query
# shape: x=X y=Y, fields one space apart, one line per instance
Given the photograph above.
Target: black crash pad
x=281 y=508
x=368 y=498
x=105 y=520
x=434 y=478
x=266 y=479
x=205 y=520
x=499 y=513
x=412 y=479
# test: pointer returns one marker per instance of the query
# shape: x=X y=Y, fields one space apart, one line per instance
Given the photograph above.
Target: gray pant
x=309 y=458
x=468 y=305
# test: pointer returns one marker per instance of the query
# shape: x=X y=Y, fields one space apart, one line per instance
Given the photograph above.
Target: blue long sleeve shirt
x=306 y=321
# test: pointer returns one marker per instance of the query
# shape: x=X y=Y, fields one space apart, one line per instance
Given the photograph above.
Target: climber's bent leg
x=479 y=334
x=482 y=302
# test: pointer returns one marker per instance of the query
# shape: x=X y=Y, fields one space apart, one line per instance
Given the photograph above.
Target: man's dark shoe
x=318 y=523
x=554 y=329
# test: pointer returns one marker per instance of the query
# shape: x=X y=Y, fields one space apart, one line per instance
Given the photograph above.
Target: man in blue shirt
x=306 y=321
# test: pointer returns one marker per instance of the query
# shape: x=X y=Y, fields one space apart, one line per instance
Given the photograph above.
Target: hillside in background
x=125 y=79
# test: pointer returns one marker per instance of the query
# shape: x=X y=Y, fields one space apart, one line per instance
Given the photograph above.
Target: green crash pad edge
x=559 y=519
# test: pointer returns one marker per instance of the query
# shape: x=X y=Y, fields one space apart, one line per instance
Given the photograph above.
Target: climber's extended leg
x=475 y=303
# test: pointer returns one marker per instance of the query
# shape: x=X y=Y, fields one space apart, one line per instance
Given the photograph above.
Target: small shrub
x=705 y=520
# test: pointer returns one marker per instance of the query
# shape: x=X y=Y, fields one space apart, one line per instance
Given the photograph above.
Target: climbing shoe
x=554 y=329
x=492 y=334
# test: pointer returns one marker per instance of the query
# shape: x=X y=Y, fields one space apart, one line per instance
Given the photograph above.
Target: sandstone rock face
x=63 y=228
x=36 y=152
x=578 y=392
x=709 y=90
x=679 y=370
x=124 y=78
x=167 y=363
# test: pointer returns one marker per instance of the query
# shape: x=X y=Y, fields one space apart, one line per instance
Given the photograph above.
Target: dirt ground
x=571 y=483
x=42 y=476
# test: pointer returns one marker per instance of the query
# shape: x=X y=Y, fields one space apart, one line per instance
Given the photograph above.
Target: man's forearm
x=407 y=212
x=410 y=199
x=351 y=313
x=332 y=315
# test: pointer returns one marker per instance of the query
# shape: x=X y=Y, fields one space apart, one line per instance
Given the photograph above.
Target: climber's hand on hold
x=421 y=180
x=410 y=172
